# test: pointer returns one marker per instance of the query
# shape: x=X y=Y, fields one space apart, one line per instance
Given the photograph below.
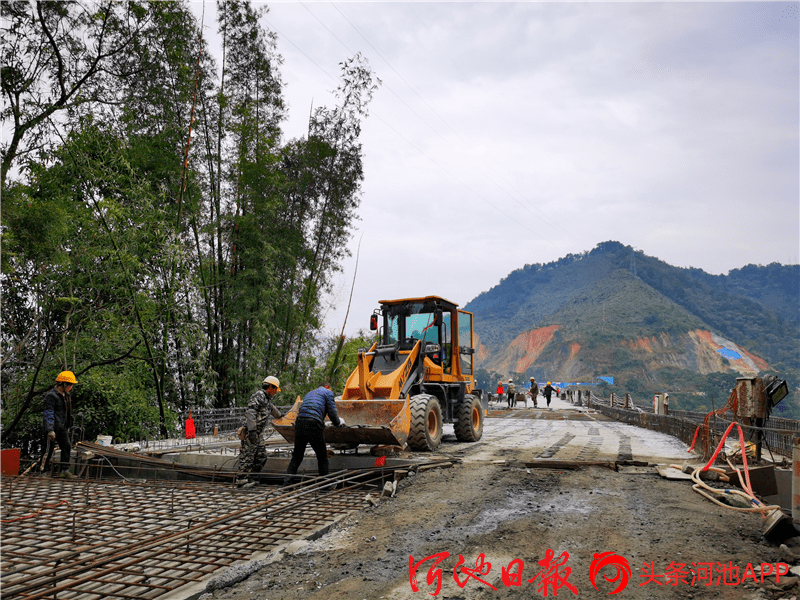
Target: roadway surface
x=564 y=432
x=495 y=508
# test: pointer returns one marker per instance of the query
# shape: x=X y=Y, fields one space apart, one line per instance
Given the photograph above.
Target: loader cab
x=407 y=322
x=440 y=325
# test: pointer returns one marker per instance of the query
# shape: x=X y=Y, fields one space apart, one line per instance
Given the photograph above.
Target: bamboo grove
x=160 y=236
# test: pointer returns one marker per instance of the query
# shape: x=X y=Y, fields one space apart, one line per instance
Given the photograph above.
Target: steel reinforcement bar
x=74 y=539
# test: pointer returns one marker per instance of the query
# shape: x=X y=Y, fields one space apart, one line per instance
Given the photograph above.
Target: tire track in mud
x=552 y=450
x=625 y=451
x=624 y=435
x=592 y=447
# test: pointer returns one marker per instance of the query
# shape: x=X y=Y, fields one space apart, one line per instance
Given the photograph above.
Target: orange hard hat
x=66 y=377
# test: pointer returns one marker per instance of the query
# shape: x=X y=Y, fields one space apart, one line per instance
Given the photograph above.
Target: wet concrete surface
x=563 y=432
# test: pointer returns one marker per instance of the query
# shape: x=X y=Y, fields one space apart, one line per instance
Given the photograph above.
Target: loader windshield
x=413 y=320
x=408 y=322
x=392 y=329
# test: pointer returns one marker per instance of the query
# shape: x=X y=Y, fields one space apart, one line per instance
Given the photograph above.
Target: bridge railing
x=226 y=420
x=683 y=424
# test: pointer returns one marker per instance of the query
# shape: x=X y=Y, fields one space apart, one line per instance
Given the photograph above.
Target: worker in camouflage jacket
x=534 y=392
x=258 y=424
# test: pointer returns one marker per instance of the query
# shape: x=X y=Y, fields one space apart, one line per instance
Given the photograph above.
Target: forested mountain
x=614 y=311
x=160 y=237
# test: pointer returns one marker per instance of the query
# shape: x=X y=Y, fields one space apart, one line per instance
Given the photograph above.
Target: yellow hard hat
x=66 y=377
x=273 y=381
x=548 y=383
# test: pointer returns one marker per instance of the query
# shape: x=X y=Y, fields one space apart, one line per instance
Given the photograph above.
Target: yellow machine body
x=382 y=401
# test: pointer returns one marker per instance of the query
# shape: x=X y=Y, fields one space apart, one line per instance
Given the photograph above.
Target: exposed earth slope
x=652 y=327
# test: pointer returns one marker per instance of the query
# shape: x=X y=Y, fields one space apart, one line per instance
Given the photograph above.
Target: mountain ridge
x=616 y=311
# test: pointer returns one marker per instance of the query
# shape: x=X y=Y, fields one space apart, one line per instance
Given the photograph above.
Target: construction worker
x=309 y=428
x=548 y=391
x=258 y=425
x=534 y=391
x=57 y=417
x=511 y=390
x=500 y=391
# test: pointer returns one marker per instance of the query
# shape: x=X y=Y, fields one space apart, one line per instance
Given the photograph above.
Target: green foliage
x=174 y=250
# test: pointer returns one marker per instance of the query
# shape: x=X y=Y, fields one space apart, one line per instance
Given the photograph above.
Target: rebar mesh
x=80 y=539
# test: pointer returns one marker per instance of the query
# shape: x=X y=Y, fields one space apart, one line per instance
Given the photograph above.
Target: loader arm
x=383 y=372
x=372 y=406
x=415 y=377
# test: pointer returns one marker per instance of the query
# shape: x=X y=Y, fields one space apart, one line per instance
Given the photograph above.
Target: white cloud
x=514 y=133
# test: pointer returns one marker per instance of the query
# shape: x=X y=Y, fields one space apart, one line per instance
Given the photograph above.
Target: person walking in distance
x=309 y=428
x=57 y=419
x=258 y=420
x=534 y=392
x=548 y=391
x=499 y=391
x=511 y=390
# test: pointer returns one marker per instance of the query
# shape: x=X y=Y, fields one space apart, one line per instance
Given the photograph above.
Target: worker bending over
x=309 y=428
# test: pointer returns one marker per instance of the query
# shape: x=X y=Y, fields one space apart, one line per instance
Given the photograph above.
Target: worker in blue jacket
x=309 y=428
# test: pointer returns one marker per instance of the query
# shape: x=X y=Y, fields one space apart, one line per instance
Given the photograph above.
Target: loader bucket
x=367 y=422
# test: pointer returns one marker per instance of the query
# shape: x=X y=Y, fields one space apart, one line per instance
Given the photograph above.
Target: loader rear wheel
x=425 y=431
x=469 y=419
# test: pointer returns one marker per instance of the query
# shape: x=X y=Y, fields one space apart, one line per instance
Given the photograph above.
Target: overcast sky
x=506 y=134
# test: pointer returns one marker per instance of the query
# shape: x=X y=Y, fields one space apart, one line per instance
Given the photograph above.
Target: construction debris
x=778 y=527
x=388 y=489
x=384 y=450
x=671 y=472
x=762 y=479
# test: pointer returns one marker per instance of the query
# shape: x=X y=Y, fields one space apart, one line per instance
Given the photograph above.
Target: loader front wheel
x=425 y=431
x=469 y=419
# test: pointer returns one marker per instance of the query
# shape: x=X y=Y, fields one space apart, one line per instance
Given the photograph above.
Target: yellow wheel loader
x=417 y=376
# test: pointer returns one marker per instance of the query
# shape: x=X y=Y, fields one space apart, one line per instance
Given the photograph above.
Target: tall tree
x=123 y=169
x=165 y=273
x=241 y=143
x=334 y=143
x=61 y=59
